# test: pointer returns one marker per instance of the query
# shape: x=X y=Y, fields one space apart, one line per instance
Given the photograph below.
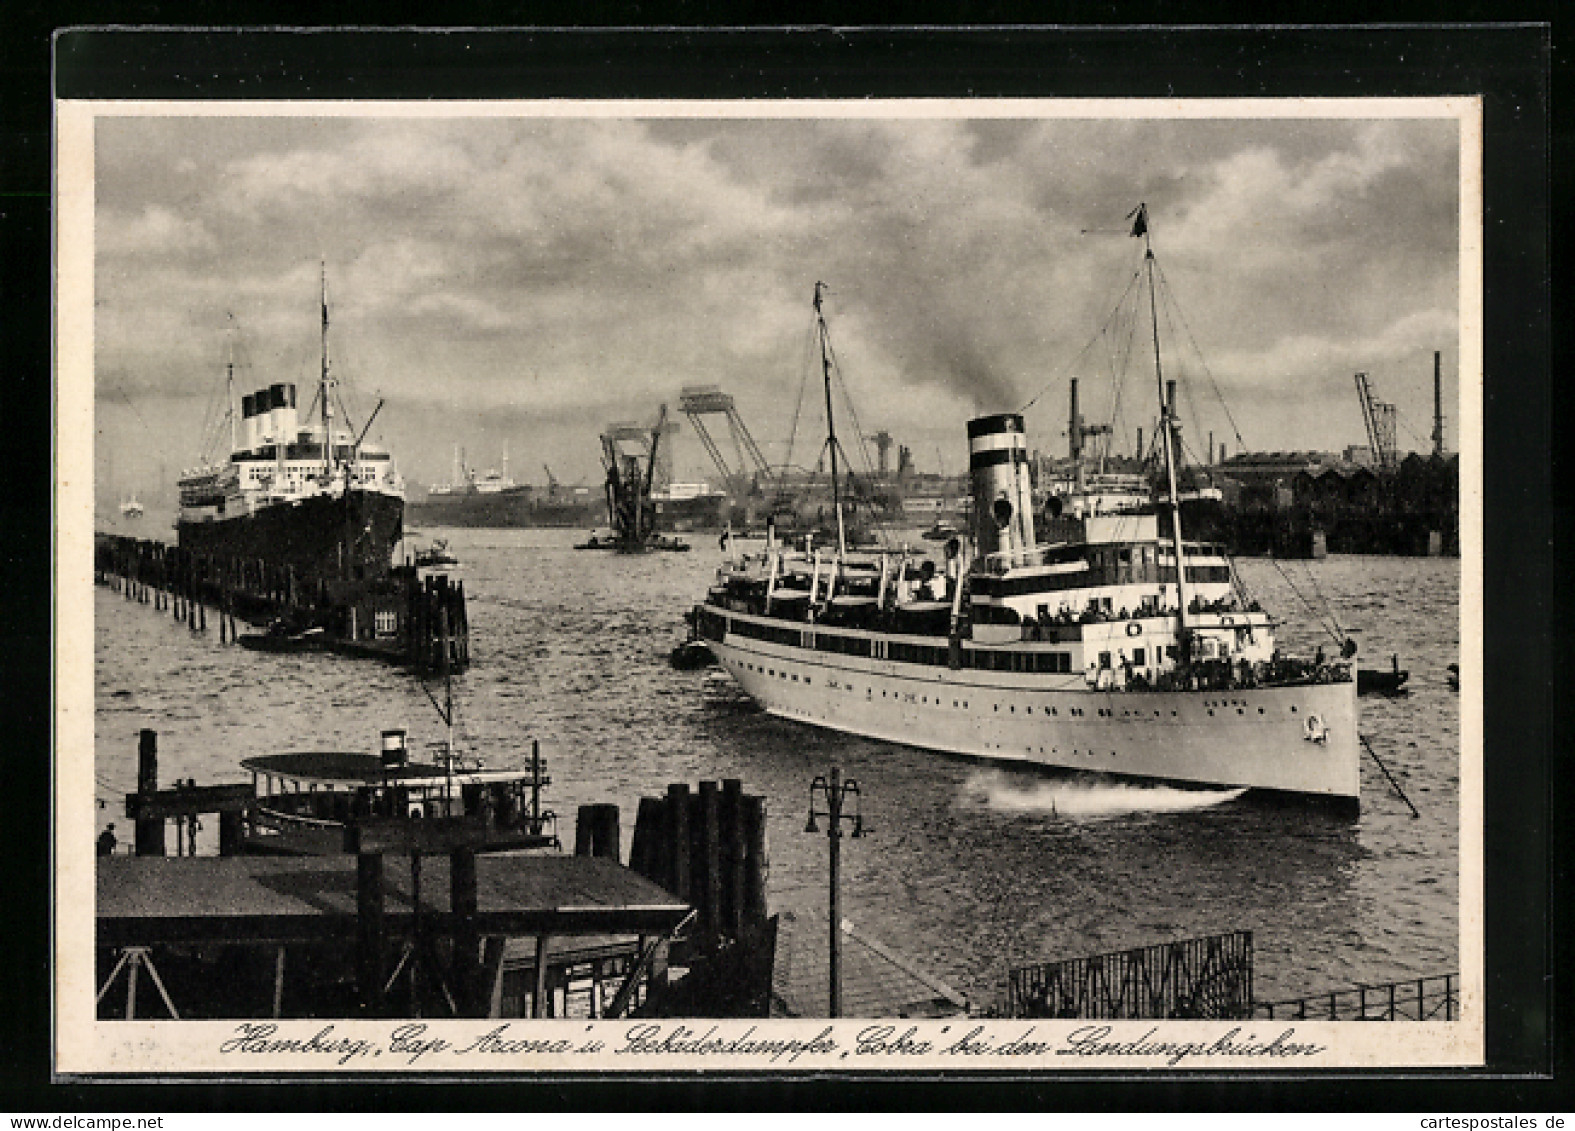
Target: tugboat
x=1113 y=646
x=1376 y=681
x=436 y=556
x=315 y=499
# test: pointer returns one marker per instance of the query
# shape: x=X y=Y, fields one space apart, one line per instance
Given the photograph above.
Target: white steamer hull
x=1298 y=739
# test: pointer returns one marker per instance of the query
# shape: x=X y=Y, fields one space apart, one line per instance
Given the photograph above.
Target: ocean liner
x=312 y=497
x=1110 y=645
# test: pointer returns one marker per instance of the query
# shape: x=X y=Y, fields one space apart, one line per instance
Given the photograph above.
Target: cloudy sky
x=523 y=282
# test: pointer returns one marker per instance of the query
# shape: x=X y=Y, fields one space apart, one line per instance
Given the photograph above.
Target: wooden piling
x=756 y=863
x=596 y=832
x=645 y=848
x=149 y=830
x=232 y=833
x=462 y=897
x=371 y=938
x=733 y=857
x=710 y=883
x=679 y=879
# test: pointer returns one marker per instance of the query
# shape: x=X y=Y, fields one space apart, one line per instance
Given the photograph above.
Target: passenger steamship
x=311 y=497
x=1110 y=645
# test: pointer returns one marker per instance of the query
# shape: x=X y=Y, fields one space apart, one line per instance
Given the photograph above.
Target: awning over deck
x=345 y=769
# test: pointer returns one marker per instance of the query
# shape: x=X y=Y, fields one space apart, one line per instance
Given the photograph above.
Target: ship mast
x=831 y=429
x=229 y=385
x=325 y=385
x=1166 y=422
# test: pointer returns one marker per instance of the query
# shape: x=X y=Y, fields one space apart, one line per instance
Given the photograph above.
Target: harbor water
x=969 y=868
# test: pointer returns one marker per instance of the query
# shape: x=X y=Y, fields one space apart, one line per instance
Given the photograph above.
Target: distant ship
x=1112 y=646
x=131 y=508
x=311 y=497
x=493 y=499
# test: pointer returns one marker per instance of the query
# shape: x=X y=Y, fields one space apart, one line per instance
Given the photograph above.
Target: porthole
x=1211 y=712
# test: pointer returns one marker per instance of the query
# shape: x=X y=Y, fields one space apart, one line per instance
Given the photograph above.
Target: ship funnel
x=248 y=436
x=280 y=400
x=1003 y=504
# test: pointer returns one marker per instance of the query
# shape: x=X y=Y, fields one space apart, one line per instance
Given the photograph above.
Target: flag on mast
x=1139 y=225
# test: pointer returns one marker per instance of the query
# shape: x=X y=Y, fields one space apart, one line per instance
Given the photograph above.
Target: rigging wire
x=1132 y=278
x=1192 y=339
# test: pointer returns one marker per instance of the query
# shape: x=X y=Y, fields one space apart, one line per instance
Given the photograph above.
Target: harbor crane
x=882 y=441
x=699 y=401
x=628 y=485
x=1379 y=417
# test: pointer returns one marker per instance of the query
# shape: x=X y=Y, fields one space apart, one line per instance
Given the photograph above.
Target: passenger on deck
x=107 y=842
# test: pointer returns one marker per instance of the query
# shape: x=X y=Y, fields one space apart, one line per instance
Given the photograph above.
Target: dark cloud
x=528 y=280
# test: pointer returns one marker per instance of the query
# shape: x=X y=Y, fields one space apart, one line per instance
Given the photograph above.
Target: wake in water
x=1081 y=798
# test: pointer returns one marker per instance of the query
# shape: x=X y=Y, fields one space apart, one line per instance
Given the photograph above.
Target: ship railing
x=1433 y=998
x=279 y=819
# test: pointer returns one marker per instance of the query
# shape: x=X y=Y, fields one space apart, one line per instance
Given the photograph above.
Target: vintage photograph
x=621 y=585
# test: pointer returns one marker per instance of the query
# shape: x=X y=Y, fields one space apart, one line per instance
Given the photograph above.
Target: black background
x=1511 y=66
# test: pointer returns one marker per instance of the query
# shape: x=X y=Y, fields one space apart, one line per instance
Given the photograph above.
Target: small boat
x=691 y=655
x=601 y=540
x=282 y=639
x=436 y=556
x=1453 y=676
x=131 y=508
x=309 y=802
x=1376 y=681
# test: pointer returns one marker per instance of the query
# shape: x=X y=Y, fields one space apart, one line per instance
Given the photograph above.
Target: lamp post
x=834 y=793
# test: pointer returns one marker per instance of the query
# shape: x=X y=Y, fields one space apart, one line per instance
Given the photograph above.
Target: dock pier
x=398 y=616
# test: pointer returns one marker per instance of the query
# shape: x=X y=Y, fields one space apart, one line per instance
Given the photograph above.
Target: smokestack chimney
x=1170 y=397
x=1140 y=444
x=1074 y=427
x=1438 y=405
x=1003 y=502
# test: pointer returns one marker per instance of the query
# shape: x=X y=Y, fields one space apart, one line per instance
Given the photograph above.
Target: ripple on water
x=969 y=869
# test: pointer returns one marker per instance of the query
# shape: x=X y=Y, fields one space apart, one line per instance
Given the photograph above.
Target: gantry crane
x=700 y=401
x=1379 y=417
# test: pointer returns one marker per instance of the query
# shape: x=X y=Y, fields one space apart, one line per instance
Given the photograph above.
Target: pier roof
x=145 y=900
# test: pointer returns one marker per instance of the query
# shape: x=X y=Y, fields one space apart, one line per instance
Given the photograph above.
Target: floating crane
x=1379 y=417
x=629 y=485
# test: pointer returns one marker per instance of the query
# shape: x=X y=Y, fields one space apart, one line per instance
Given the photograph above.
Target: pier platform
x=143 y=901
